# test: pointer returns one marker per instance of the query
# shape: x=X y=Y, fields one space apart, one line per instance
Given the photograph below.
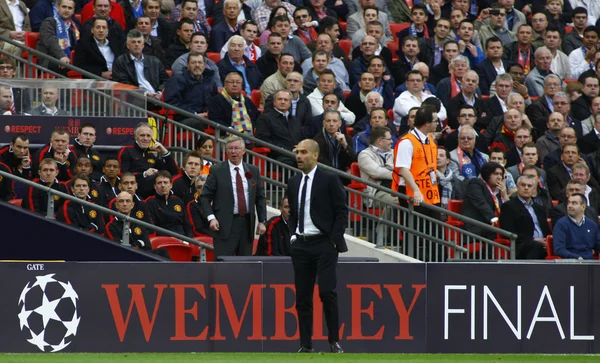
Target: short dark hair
x=111 y=158
x=327 y=23
x=498 y=149
x=370 y=7
x=87 y=124
x=493 y=39
x=419 y=6
x=580 y=10
x=377 y=109
x=184 y=21
x=23 y=137
x=414 y=71
x=530 y=167
x=286 y=54
x=95 y=19
x=274 y=35
x=196 y=34
x=376 y=57
x=582 y=198
x=281 y=19
x=247 y=22
x=433 y=102
x=81 y=177
x=327 y=71
x=192 y=154
x=591 y=28
x=409 y=38
x=424 y=115
x=466 y=106
x=378 y=132
x=162 y=174
x=488 y=169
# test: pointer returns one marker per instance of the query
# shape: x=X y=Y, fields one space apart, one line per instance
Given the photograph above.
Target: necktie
x=302 y=206
x=241 y=197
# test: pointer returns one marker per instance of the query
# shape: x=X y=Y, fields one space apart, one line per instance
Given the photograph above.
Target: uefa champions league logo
x=49 y=313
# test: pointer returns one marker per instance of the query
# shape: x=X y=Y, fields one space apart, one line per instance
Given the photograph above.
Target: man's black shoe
x=306 y=350
x=336 y=348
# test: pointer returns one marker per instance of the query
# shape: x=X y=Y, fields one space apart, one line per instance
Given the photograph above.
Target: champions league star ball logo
x=49 y=313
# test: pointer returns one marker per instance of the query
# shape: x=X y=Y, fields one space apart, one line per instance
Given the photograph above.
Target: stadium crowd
x=508 y=91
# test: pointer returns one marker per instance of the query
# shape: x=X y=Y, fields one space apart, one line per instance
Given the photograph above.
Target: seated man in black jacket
x=180 y=45
x=36 y=200
x=79 y=215
x=276 y=241
x=138 y=236
x=97 y=52
x=166 y=209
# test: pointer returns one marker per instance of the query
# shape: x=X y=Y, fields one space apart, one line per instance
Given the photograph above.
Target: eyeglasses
x=6 y=68
x=466 y=138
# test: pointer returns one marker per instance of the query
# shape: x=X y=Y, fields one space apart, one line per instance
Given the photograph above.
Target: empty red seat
x=16 y=202
x=346 y=45
x=210 y=254
x=214 y=56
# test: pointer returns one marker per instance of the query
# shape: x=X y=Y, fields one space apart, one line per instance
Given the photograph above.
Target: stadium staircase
x=394 y=227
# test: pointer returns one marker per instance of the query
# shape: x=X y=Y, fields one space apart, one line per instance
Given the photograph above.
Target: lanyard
x=424 y=153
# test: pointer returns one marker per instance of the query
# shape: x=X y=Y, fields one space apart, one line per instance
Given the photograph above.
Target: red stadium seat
x=346 y=45
x=390 y=114
x=550 y=249
x=343 y=26
x=350 y=131
x=397 y=27
x=210 y=21
x=31 y=39
x=210 y=254
x=346 y=94
x=214 y=56
x=393 y=47
x=569 y=80
x=355 y=198
x=568 y=29
x=16 y=202
x=178 y=250
x=256 y=97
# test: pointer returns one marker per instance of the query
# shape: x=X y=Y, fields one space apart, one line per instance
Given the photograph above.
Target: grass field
x=278 y=357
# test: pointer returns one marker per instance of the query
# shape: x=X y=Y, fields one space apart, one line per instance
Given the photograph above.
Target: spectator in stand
x=320 y=9
x=535 y=78
x=356 y=21
x=496 y=26
x=20 y=101
x=400 y=10
x=138 y=236
x=192 y=90
x=356 y=98
x=448 y=183
x=593 y=71
x=539 y=23
x=588 y=123
x=300 y=109
x=277 y=80
x=249 y=32
x=582 y=105
x=161 y=26
x=269 y=60
x=424 y=70
x=581 y=172
x=562 y=104
x=96 y=53
x=466 y=160
x=573 y=186
x=107 y=188
x=104 y=9
x=152 y=45
x=383 y=83
x=78 y=215
x=215 y=10
x=496 y=105
x=325 y=44
x=276 y=241
x=205 y=147
x=188 y=9
x=166 y=209
x=231 y=108
x=372 y=100
x=48 y=106
x=505 y=139
x=132 y=10
x=527 y=219
x=145 y=158
x=331 y=26
x=570 y=237
x=198 y=223
x=514 y=17
x=199 y=44
x=582 y=58
x=137 y=69
x=277 y=127
x=7 y=104
x=417 y=28
x=408 y=59
x=326 y=84
x=539 y=110
x=440 y=71
x=17 y=157
x=540 y=195
x=183 y=183
x=229 y=27
x=467 y=115
x=522 y=51
x=376 y=165
x=529 y=156
x=462 y=6
x=306 y=26
x=14 y=24
x=483 y=198
x=466 y=45
x=560 y=61
x=432 y=48
x=413 y=97
x=291 y=43
x=36 y=200
x=370 y=14
x=361 y=64
x=550 y=140
x=560 y=174
x=181 y=43
x=128 y=183
x=514 y=156
x=492 y=65
x=57 y=150
x=567 y=136
x=450 y=87
x=84 y=146
x=235 y=60
x=466 y=96
x=377 y=117
x=277 y=11
x=574 y=39
x=334 y=145
x=262 y=12
x=58 y=36
x=115 y=30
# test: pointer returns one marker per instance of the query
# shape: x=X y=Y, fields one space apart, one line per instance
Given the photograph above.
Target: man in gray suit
x=48 y=106
x=232 y=192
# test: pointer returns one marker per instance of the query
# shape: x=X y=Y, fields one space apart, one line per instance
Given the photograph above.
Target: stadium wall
x=249 y=307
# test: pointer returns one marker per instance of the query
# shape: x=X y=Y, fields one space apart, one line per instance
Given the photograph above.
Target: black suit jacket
x=589 y=143
x=346 y=156
x=493 y=107
x=487 y=74
x=217 y=198
x=557 y=179
x=386 y=54
x=511 y=53
x=438 y=72
x=89 y=58
x=515 y=218
x=303 y=113
x=328 y=209
x=453 y=109
x=478 y=204
x=272 y=127
x=580 y=108
x=116 y=36
x=538 y=113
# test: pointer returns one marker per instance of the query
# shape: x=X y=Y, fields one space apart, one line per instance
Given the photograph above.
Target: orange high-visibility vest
x=424 y=160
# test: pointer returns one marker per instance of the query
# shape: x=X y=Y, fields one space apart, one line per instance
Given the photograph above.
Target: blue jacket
x=252 y=74
x=573 y=241
x=190 y=94
x=361 y=140
x=40 y=11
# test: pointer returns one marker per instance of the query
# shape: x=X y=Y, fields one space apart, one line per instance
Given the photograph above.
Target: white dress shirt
x=407 y=100
x=309 y=227
x=233 y=172
x=17 y=14
x=107 y=53
x=578 y=63
x=139 y=71
x=316 y=104
x=405 y=152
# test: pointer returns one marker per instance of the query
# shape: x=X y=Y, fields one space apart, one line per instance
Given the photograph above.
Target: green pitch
x=279 y=357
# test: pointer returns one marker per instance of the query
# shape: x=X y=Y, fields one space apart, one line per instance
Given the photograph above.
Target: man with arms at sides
x=145 y=158
x=301 y=109
x=36 y=200
x=540 y=194
x=276 y=241
x=520 y=215
x=128 y=183
x=231 y=108
x=183 y=183
x=138 y=236
x=58 y=150
x=84 y=146
x=193 y=208
x=48 y=106
x=78 y=215
x=58 y=36
x=232 y=200
x=317 y=222
x=166 y=209
x=576 y=236
x=573 y=187
x=199 y=44
x=335 y=147
x=483 y=198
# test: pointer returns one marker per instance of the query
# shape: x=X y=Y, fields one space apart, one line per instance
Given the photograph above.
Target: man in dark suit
x=88 y=55
x=581 y=106
x=559 y=175
x=300 y=109
x=335 y=146
x=116 y=36
x=279 y=128
x=220 y=106
x=317 y=222
x=590 y=142
x=161 y=26
x=231 y=200
x=522 y=47
x=520 y=215
x=496 y=106
x=487 y=69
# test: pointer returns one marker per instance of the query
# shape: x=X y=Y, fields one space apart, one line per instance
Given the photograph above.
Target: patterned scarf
x=454 y=86
x=413 y=31
x=525 y=63
x=240 y=120
x=62 y=34
x=445 y=181
x=334 y=149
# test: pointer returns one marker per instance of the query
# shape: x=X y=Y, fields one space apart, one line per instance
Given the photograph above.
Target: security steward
x=166 y=209
x=79 y=215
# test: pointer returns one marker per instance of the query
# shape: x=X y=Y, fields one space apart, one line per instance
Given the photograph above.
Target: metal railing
x=398 y=227
x=126 y=220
